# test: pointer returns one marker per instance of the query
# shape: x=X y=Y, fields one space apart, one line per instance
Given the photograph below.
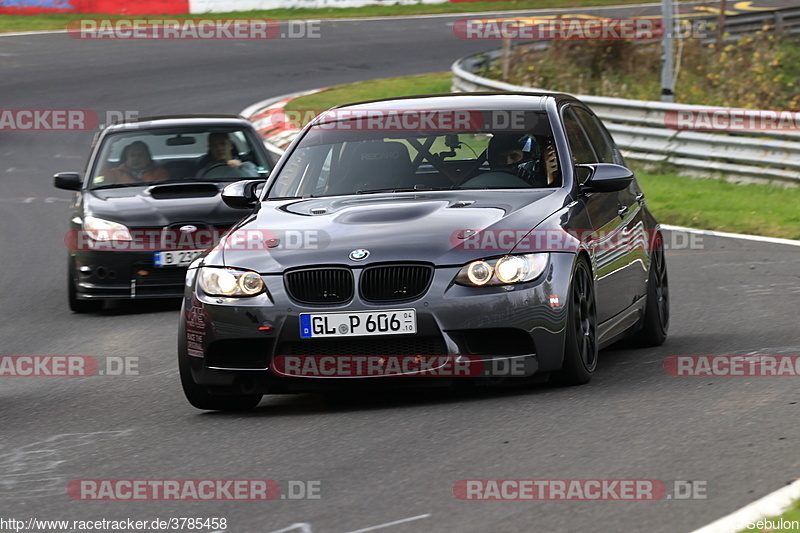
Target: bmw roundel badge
x=359 y=255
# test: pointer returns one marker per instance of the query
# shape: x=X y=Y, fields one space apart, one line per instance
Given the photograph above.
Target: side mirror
x=70 y=181
x=242 y=194
x=605 y=177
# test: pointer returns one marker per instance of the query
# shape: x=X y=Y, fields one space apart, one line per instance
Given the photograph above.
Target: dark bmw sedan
x=150 y=202
x=441 y=239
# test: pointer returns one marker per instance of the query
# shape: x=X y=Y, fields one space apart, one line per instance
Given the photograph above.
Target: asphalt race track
x=378 y=458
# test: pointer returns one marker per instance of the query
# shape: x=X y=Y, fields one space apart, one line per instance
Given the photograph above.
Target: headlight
x=479 y=272
x=216 y=281
x=503 y=270
x=100 y=229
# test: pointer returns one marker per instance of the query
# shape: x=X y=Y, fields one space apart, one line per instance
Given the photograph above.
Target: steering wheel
x=130 y=175
x=220 y=170
x=495 y=180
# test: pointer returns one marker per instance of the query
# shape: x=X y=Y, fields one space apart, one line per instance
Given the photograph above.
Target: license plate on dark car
x=388 y=322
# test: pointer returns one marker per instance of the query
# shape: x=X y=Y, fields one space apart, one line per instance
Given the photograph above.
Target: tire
x=200 y=397
x=80 y=306
x=580 y=343
x=655 y=322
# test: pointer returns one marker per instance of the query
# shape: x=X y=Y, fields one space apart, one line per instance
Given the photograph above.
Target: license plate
x=389 y=322
x=177 y=258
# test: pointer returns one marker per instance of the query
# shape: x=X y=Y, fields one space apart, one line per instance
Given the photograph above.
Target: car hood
x=156 y=206
x=391 y=227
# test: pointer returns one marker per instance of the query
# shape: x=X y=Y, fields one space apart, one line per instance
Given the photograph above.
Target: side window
x=603 y=146
x=305 y=173
x=579 y=145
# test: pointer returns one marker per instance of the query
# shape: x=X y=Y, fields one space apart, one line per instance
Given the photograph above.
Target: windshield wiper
x=221 y=178
x=121 y=185
x=403 y=189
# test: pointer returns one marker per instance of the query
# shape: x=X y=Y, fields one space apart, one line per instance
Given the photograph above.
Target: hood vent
x=183 y=190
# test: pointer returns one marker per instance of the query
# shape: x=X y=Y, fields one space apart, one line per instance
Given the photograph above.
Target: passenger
x=222 y=151
x=136 y=165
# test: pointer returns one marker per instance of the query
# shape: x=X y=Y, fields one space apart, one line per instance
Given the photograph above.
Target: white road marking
x=741 y=236
x=389 y=524
x=301 y=527
x=773 y=504
x=33 y=469
x=32 y=199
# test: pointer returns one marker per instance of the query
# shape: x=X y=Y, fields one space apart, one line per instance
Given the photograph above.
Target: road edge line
x=741 y=236
x=773 y=504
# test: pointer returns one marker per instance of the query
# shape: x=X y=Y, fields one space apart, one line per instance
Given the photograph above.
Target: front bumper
x=233 y=344
x=100 y=275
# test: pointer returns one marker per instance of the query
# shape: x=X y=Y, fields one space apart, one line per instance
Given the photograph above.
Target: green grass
x=372 y=89
x=722 y=206
x=682 y=201
x=790 y=515
x=753 y=72
x=14 y=23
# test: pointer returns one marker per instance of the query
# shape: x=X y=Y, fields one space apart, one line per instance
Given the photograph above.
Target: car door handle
x=640 y=197
x=622 y=210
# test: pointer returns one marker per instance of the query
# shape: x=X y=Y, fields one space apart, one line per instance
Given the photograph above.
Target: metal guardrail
x=640 y=129
x=779 y=21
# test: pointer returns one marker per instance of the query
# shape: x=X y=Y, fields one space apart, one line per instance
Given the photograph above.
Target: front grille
x=146 y=274
x=204 y=236
x=395 y=283
x=384 y=345
x=199 y=225
x=172 y=238
x=320 y=286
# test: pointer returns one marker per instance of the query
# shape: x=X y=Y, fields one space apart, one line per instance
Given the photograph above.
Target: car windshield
x=378 y=153
x=177 y=154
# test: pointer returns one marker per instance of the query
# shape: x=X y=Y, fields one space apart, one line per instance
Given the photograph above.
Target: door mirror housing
x=70 y=181
x=605 y=177
x=242 y=194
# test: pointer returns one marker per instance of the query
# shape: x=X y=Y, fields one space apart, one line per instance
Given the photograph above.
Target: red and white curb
x=270 y=121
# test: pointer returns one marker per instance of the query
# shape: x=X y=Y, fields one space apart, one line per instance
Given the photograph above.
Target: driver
x=519 y=155
x=507 y=151
x=136 y=165
x=221 y=153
